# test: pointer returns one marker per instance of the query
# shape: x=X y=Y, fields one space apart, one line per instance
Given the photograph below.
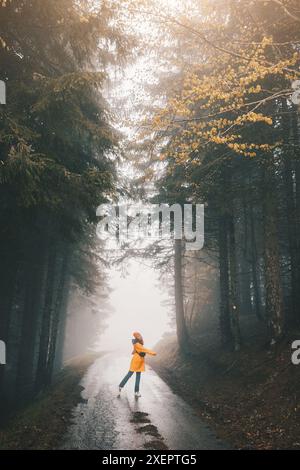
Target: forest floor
x=41 y=424
x=251 y=398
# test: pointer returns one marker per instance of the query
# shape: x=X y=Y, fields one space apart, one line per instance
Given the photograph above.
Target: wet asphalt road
x=158 y=420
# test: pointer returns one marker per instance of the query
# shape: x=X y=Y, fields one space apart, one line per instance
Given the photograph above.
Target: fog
x=136 y=298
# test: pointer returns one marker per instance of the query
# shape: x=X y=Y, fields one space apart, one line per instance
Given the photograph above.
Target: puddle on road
x=150 y=430
x=140 y=417
x=157 y=443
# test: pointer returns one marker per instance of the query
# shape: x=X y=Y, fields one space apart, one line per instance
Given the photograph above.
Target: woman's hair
x=138 y=337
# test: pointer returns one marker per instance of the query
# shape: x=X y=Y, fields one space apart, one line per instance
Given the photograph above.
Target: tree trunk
x=243 y=267
x=8 y=281
x=291 y=214
x=57 y=314
x=233 y=304
x=225 y=328
x=296 y=143
x=274 y=303
x=41 y=378
x=35 y=280
x=254 y=266
x=182 y=334
x=61 y=335
x=14 y=331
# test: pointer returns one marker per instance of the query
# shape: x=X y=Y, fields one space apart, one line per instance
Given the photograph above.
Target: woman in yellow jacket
x=137 y=364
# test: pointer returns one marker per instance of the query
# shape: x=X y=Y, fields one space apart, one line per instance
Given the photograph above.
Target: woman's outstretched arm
x=141 y=348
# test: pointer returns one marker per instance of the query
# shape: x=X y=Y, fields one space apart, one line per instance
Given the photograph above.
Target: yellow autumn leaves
x=222 y=97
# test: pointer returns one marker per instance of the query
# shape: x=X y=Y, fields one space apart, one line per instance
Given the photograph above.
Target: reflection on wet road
x=158 y=420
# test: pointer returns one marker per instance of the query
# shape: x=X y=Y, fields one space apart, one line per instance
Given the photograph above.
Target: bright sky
x=136 y=299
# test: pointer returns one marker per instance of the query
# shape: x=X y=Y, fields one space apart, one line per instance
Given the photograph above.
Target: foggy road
x=158 y=420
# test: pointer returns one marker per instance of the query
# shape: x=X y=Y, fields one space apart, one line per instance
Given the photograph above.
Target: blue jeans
x=137 y=380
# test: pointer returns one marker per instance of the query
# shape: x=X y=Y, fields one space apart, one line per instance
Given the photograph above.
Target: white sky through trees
x=137 y=298
x=137 y=301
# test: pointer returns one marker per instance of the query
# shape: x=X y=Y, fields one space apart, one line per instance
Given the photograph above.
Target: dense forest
x=217 y=123
x=57 y=164
x=229 y=136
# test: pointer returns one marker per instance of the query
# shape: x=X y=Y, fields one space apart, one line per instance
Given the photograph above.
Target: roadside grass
x=41 y=424
x=250 y=398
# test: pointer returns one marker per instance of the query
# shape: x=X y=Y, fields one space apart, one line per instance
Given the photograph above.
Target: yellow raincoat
x=137 y=362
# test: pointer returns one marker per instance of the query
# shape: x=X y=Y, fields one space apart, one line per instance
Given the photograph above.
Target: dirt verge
x=251 y=398
x=41 y=424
